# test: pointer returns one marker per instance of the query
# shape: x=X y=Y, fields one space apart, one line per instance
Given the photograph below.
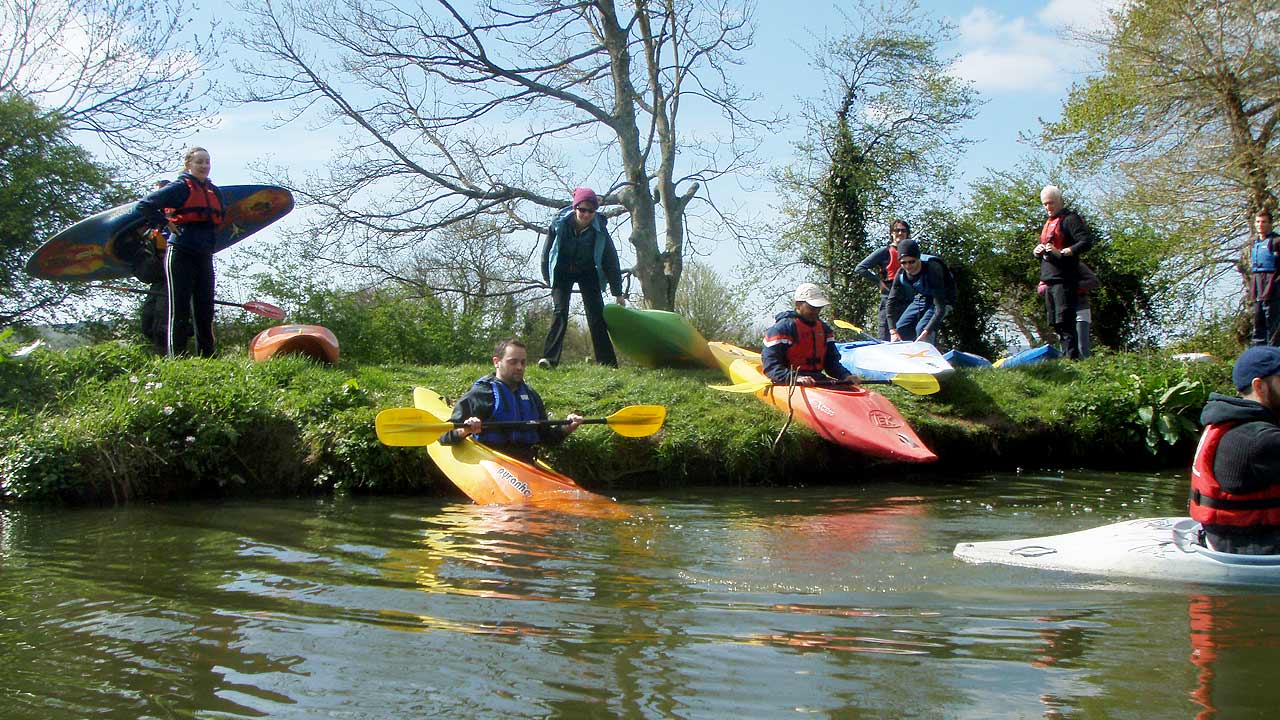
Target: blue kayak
x=1030 y=357
x=959 y=358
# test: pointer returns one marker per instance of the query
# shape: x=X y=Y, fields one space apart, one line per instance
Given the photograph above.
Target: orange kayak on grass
x=859 y=419
x=489 y=477
x=314 y=341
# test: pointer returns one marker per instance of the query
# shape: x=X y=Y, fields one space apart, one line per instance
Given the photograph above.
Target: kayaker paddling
x=504 y=396
x=800 y=346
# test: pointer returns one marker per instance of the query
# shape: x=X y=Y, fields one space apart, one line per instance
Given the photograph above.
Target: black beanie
x=908 y=248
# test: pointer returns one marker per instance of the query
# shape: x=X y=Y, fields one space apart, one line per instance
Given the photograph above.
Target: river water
x=835 y=602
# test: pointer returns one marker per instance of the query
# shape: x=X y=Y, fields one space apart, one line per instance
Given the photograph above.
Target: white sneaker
x=545 y=364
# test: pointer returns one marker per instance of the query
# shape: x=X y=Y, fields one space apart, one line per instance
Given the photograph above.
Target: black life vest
x=1211 y=505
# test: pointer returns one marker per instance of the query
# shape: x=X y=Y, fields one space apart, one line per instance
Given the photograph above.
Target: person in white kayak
x=1235 y=477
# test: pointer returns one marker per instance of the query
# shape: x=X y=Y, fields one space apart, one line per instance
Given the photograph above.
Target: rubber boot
x=1082 y=338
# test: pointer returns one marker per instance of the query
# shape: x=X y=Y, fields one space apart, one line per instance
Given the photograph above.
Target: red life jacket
x=202 y=205
x=891 y=270
x=1053 y=233
x=1211 y=505
x=808 y=352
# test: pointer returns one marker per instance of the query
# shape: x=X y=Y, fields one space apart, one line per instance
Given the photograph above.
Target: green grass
x=111 y=423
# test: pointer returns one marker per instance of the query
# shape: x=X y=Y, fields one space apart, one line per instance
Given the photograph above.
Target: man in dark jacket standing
x=578 y=249
x=1063 y=240
x=1235 y=478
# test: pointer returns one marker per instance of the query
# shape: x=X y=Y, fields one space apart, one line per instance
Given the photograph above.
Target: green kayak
x=657 y=338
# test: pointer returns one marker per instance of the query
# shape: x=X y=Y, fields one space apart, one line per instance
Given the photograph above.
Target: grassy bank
x=110 y=423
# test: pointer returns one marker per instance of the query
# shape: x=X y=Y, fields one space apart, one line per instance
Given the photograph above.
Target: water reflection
x=839 y=602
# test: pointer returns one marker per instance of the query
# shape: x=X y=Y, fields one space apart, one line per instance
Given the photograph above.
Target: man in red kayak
x=801 y=345
x=503 y=396
x=1235 y=478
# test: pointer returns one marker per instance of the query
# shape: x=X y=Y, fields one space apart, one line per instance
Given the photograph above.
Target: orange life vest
x=1211 y=505
x=808 y=352
x=202 y=205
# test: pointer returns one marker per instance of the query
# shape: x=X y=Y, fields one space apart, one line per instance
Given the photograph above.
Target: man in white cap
x=1235 y=477
x=801 y=345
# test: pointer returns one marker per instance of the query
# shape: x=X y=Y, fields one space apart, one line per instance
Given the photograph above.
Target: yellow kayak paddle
x=411 y=427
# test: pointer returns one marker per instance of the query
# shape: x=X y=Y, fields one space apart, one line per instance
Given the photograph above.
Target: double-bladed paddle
x=257 y=307
x=915 y=383
x=411 y=427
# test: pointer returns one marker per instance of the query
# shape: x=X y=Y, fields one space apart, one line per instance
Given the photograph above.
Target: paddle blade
x=847 y=325
x=916 y=383
x=408 y=427
x=746 y=387
x=266 y=310
x=637 y=420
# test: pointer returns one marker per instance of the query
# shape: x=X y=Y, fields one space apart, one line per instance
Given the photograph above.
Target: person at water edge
x=1063 y=239
x=504 y=396
x=1084 y=308
x=579 y=250
x=880 y=267
x=144 y=253
x=192 y=207
x=1235 y=477
x=924 y=277
x=1264 y=255
x=801 y=345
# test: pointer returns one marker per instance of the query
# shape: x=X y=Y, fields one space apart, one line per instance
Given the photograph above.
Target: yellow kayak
x=490 y=477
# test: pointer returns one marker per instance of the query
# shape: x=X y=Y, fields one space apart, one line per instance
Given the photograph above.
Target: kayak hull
x=959 y=358
x=657 y=338
x=1150 y=549
x=860 y=419
x=873 y=360
x=489 y=477
x=1031 y=356
x=313 y=341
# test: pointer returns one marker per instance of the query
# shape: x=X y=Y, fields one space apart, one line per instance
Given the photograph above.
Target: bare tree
x=498 y=110
x=119 y=69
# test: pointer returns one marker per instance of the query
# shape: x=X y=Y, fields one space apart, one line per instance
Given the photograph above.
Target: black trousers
x=1060 y=299
x=561 y=294
x=190 y=278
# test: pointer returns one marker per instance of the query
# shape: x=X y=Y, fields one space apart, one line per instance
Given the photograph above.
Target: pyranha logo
x=514 y=481
x=882 y=419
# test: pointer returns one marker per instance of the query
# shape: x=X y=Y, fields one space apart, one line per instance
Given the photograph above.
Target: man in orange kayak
x=1235 y=477
x=503 y=397
x=801 y=345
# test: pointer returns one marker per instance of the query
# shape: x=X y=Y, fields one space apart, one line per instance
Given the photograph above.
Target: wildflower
x=168 y=410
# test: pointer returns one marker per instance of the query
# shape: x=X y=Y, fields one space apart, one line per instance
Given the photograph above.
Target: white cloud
x=1002 y=54
x=1083 y=15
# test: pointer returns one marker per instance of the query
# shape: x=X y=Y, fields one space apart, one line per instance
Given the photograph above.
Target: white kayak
x=874 y=360
x=1152 y=548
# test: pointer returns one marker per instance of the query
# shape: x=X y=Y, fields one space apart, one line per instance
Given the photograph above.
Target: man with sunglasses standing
x=578 y=250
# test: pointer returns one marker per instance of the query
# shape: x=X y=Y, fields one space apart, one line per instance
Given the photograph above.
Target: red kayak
x=314 y=341
x=858 y=419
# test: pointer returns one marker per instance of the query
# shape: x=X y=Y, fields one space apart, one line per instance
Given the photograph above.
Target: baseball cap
x=1258 y=361
x=812 y=294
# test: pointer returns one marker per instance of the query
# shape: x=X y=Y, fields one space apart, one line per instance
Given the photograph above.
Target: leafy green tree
x=1185 y=111
x=46 y=183
x=882 y=138
x=716 y=309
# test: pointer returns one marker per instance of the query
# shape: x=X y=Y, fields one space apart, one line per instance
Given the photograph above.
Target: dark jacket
x=928 y=286
x=594 y=242
x=880 y=261
x=1248 y=460
x=778 y=339
x=478 y=402
x=1066 y=269
x=198 y=237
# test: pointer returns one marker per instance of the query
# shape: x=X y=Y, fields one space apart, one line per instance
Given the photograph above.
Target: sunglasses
x=587 y=210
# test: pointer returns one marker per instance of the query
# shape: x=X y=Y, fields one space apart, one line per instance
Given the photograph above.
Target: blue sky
x=1016 y=54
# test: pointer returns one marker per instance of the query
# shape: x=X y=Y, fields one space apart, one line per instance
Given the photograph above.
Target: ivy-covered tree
x=46 y=183
x=880 y=141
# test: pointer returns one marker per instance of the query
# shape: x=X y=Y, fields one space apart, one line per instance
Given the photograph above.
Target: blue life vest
x=562 y=229
x=509 y=406
x=1263 y=259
